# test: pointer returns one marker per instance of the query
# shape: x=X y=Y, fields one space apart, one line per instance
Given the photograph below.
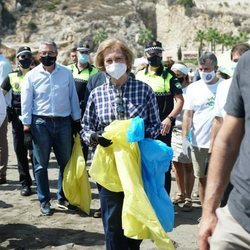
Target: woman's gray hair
x=208 y=56
x=48 y=42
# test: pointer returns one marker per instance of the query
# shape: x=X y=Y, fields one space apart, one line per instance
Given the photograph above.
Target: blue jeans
x=111 y=207
x=47 y=133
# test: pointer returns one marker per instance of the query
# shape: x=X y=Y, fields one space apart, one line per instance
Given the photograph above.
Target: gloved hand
x=97 y=138
x=27 y=139
x=186 y=146
x=76 y=127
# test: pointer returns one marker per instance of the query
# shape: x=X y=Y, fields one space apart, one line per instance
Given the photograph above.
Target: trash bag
x=155 y=161
x=76 y=186
x=118 y=168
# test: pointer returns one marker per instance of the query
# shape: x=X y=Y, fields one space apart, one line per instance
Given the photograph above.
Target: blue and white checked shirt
x=138 y=100
x=48 y=94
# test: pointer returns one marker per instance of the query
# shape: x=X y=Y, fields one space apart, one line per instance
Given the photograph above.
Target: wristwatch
x=171 y=118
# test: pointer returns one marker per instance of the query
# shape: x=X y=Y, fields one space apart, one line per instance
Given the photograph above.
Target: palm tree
x=145 y=36
x=200 y=37
x=212 y=36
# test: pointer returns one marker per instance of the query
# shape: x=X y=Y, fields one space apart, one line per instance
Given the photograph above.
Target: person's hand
x=166 y=126
x=76 y=127
x=186 y=146
x=97 y=138
x=206 y=229
x=27 y=139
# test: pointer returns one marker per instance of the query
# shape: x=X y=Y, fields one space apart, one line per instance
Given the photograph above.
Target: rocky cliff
x=69 y=21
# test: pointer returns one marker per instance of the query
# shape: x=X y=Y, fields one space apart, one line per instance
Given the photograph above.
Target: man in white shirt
x=220 y=101
x=198 y=115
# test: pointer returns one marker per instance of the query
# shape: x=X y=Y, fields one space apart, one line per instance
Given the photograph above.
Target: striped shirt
x=106 y=102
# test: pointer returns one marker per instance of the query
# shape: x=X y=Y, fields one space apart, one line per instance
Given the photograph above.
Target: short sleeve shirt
x=238 y=105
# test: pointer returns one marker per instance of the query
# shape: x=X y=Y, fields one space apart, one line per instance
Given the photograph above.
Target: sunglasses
x=120 y=110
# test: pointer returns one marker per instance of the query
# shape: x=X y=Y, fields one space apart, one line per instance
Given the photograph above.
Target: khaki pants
x=3 y=149
x=228 y=233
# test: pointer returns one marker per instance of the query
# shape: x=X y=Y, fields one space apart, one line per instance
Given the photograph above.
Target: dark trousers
x=111 y=207
x=21 y=151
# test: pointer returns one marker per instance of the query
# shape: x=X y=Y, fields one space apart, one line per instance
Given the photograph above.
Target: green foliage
x=186 y=3
x=214 y=37
x=51 y=5
x=100 y=36
x=145 y=36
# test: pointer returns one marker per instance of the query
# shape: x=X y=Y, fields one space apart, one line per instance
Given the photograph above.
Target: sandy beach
x=23 y=227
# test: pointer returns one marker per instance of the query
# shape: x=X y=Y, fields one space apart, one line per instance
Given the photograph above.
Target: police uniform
x=81 y=78
x=13 y=83
x=165 y=85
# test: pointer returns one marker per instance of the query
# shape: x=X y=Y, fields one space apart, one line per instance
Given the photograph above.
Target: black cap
x=23 y=50
x=82 y=47
x=153 y=46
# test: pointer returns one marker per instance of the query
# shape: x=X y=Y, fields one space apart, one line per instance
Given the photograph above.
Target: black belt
x=52 y=118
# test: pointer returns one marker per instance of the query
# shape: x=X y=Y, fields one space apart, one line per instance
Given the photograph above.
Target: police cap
x=82 y=47
x=23 y=51
x=153 y=46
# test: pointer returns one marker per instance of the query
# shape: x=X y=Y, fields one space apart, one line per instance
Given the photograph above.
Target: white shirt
x=221 y=98
x=48 y=94
x=200 y=99
x=2 y=108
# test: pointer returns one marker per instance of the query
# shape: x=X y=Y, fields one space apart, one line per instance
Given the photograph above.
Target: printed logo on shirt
x=210 y=101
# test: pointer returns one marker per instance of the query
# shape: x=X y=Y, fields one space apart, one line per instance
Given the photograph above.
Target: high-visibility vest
x=159 y=83
x=16 y=82
x=83 y=75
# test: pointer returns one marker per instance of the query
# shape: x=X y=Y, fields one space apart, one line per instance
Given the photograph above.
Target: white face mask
x=207 y=76
x=116 y=70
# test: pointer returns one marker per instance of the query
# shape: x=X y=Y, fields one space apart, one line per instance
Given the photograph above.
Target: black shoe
x=26 y=191
x=98 y=213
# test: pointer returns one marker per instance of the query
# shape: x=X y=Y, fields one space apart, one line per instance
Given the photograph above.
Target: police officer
x=167 y=89
x=13 y=83
x=81 y=71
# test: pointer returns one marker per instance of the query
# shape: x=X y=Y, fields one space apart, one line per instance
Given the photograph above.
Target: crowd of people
x=205 y=121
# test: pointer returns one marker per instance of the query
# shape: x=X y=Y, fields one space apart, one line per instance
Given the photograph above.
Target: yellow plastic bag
x=118 y=168
x=76 y=185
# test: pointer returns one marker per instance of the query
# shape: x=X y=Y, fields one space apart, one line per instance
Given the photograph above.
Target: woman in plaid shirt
x=120 y=97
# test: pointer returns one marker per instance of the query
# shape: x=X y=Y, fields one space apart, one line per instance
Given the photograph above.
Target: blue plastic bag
x=155 y=161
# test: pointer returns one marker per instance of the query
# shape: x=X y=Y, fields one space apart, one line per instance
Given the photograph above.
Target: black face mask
x=25 y=63
x=155 y=61
x=48 y=60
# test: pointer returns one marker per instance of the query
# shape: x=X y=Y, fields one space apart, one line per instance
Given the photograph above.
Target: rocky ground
x=22 y=226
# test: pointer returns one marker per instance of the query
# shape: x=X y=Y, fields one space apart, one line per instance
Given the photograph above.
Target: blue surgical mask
x=83 y=58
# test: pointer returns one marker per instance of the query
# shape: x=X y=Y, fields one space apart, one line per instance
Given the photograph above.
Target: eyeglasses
x=47 y=53
x=120 y=110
